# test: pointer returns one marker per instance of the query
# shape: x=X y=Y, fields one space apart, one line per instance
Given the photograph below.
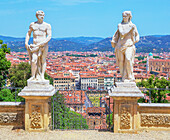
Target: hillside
x=65 y=45
x=146 y=44
x=156 y=43
x=55 y=44
x=103 y=45
x=9 y=39
x=82 y=40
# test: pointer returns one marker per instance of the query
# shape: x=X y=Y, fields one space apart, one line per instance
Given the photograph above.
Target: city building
x=75 y=72
x=88 y=81
x=159 y=65
x=108 y=81
x=96 y=118
x=100 y=82
x=75 y=100
x=64 y=81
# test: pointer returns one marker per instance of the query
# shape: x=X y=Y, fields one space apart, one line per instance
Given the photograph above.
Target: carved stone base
x=125 y=96
x=37 y=96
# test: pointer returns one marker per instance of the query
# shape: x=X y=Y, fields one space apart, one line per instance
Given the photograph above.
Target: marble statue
x=124 y=43
x=39 y=49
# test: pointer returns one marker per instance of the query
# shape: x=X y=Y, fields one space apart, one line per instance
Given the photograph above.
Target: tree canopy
x=19 y=74
x=4 y=63
x=157 y=88
x=63 y=117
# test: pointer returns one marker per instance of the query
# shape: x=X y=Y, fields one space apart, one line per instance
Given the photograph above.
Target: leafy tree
x=19 y=74
x=47 y=77
x=76 y=121
x=63 y=117
x=111 y=119
x=157 y=95
x=142 y=62
x=4 y=63
x=8 y=95
x=156 y=57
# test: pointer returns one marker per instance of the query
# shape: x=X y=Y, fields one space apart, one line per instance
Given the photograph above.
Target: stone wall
x=12 y=113
x=154 y=116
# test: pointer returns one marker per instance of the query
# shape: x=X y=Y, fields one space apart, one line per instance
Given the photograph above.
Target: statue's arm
x=115 y=39
x=136 y=34
x=49 y=34
x=28 y=35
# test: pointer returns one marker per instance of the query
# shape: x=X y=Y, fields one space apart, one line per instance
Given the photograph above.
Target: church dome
x=150 y=54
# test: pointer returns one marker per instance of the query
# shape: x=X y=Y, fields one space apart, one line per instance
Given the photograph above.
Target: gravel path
x=6 y=133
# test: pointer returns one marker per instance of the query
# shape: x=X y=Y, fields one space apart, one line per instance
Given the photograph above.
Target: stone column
x=125 y=96
x=37 y=108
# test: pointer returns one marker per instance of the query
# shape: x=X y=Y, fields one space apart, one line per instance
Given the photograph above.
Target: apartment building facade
x=159 y=65
x=108 y=81
x=89 y=82
x=75 y=72
x=64 y=81
x=75 y=100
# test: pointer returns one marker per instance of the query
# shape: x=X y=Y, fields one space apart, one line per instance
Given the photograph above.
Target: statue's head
x=40 y=14
x=127 y=16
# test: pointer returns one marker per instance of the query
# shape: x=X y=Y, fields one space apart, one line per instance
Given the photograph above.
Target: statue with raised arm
x=39 y=49
x=124 y=43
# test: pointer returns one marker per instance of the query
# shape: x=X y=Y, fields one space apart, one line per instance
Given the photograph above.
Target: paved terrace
x=6 y=133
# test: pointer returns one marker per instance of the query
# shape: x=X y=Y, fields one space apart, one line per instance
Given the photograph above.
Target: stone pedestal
x=125 y=96
x=37 y=109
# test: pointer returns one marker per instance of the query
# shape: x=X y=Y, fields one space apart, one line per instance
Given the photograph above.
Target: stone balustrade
x=12 y=113
x=154 y=116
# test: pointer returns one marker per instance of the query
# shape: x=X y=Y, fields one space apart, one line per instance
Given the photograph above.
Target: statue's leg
x=129 y=65
x=30 y=56
x=43 y=60
x=39 y=65
x=34 y=65
x=121 y=59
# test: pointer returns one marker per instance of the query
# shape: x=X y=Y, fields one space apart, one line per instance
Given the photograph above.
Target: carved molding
x=125 y=117
x=8 y=118
x=36 y=117
x=155 y=120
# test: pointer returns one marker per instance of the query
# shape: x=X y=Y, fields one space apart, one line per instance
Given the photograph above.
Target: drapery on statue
x=39 y=49
x=124 y=43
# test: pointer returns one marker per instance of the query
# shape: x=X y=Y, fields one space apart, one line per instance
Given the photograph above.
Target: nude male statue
x=39 y=49
x=124 y=43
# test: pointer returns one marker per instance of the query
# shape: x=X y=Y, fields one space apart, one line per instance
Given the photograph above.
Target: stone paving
x=6 y=133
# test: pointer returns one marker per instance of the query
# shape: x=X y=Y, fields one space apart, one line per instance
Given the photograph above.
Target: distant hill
x=55 y=44
x=65 y=45
x=146 y=44
x=82 y=40
x=103 y=45
x=8 y=39
x=154 y=43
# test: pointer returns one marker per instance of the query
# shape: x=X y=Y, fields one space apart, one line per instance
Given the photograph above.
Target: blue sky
x=73 y=18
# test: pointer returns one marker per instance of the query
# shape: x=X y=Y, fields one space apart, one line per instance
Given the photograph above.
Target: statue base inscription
x=125 y=96
x=37 y=109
